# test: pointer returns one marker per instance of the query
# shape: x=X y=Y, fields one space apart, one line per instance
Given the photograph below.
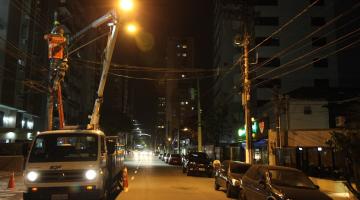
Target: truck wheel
x=242 y=195
x=105 y=195
x=216 y=186
x=184 y=170
x=229 y=191
x=188 y=173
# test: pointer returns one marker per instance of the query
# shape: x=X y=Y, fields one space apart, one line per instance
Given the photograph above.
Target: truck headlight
x=32 y=176
x=234 y=182
x=90 y=174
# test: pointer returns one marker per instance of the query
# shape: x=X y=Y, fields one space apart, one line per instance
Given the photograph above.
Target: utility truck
x=77 y=163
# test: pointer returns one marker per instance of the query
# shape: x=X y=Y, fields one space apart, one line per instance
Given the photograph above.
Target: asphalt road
x=148 y=179
x=155 y=180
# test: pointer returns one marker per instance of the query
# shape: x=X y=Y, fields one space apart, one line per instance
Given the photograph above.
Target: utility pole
x=246 y=101
x=199 y=117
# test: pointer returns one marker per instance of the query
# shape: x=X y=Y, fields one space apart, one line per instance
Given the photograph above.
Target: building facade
x=180 y=106
x=24 y=67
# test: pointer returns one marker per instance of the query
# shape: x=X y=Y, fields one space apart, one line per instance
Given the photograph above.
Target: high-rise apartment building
x=306 y=64
x=179 y=104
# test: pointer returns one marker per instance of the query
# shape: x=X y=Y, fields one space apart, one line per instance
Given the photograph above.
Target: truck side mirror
x=110 y=147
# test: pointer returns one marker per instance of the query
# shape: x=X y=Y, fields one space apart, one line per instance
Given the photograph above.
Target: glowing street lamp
x=126 y=5
x=131 y=28
x=169 y=139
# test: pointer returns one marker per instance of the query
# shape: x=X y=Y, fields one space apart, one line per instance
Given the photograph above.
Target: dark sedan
x=197 y=163
x=278 y=183
x=175 y=159
x=229 y=175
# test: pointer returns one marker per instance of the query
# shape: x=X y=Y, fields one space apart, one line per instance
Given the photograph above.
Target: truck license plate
x=59 y=197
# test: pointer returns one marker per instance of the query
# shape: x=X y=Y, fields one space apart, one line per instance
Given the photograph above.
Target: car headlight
x=90 y=174
x=192 y=163
x=234 y=182
x=32 y=176
x=279 y=194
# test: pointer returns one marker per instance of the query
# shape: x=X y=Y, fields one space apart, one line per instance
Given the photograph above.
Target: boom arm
x=114 y=26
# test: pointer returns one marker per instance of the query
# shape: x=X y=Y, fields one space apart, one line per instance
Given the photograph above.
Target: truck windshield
x=64 y=148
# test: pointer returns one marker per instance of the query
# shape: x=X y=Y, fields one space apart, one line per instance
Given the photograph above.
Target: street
x=154 y=179
x=148 y=179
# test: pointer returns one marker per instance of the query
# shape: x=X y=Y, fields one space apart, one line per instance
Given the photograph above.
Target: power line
x=149 y=69
x=18 y=5
x=285 y=25
x=154 y=79
x=87 y=43
x=286 y=50
x=308 y=64
x=309 y=53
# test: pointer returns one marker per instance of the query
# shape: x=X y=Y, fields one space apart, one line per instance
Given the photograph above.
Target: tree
x=347 y=142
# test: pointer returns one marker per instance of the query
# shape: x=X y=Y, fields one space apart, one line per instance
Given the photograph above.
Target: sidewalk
x=335 y=189
x=4 y=180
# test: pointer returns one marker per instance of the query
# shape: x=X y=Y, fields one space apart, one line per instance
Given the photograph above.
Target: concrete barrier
x=337 y=190
x=12 y=163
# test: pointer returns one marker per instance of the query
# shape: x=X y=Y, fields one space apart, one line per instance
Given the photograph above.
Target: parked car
x=278 y=183
x=197 y=163
x=175 y=159
x=160 y=156
x=229 y=175
x=166 y=157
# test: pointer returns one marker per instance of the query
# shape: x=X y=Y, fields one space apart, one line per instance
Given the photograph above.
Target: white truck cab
x=71 y=164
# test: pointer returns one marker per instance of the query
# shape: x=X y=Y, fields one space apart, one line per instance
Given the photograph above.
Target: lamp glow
x=126 y=5
x=131 y=28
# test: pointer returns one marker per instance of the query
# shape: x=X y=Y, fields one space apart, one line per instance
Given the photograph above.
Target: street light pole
x=199 y=117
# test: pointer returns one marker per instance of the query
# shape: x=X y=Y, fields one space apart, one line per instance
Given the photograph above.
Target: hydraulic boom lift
x=58 y=65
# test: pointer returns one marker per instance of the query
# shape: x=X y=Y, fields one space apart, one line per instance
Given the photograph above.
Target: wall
x=317 y=119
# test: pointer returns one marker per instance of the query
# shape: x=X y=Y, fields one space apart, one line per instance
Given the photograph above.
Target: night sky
x=160 y=19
